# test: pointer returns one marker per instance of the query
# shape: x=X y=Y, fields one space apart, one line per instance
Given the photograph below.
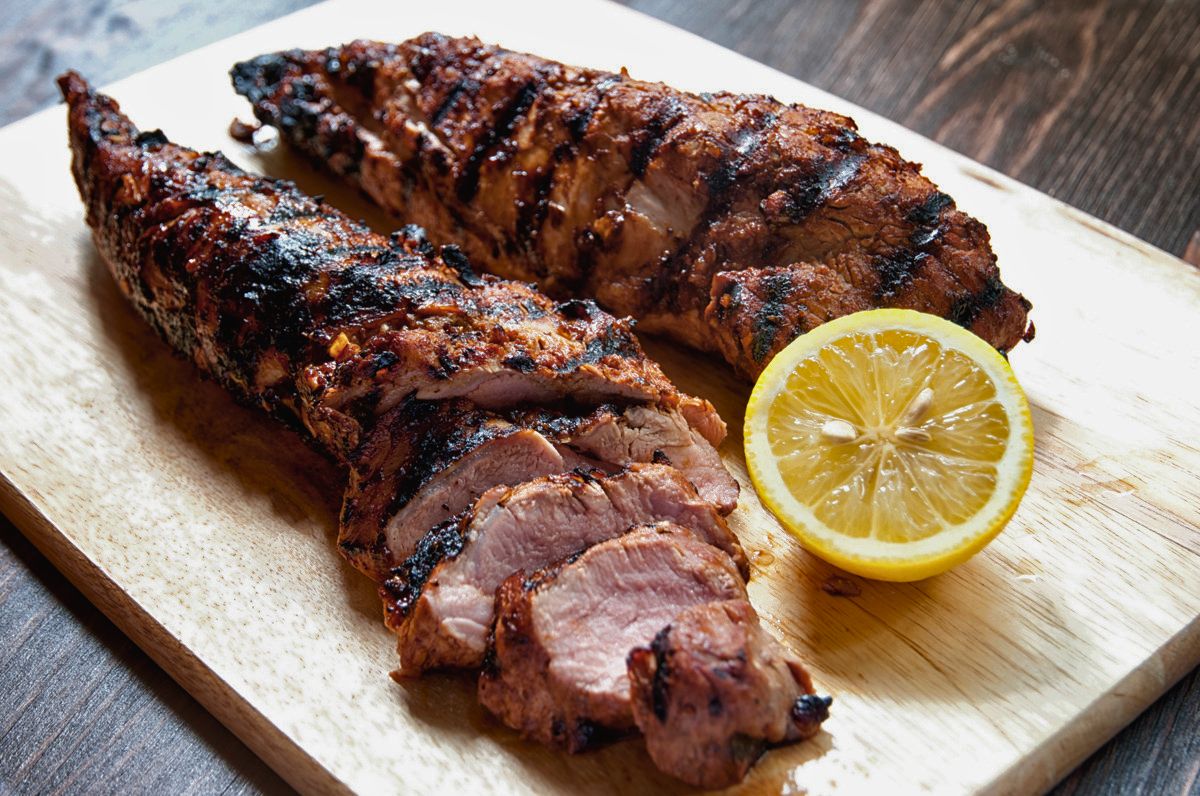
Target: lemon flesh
x=894 y=444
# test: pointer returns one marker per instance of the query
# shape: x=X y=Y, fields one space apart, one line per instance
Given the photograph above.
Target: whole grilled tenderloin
x=296 y=308
x=730 y=222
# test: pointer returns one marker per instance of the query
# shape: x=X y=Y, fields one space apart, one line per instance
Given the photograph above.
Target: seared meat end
x=440 y=602
x=730 y=222
x=714 y=690
x=556 y=667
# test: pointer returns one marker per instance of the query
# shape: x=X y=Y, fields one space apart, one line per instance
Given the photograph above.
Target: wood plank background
x=1094 y=102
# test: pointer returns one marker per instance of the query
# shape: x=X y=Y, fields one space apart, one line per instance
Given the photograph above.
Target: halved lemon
x=892 y=443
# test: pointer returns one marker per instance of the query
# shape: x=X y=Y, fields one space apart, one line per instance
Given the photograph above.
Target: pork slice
x=440 y=601
x=425 y=462
x=714 y=690
x=555 y=670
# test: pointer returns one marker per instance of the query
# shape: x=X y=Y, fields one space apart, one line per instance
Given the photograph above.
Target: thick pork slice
x=423 y=463
x=556 y=669
x=714 y=690
x=440 y=601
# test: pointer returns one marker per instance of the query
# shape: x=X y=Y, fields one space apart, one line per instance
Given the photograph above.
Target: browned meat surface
x=555 y=670
x=714 y=690
x=440 y=602
x=730 y=222
x=425 y=462
x=298 y=309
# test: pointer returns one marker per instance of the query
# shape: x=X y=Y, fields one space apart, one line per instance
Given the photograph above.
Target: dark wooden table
x=1096 y=102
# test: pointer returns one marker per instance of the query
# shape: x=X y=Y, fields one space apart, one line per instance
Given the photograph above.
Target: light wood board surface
x=206 y=532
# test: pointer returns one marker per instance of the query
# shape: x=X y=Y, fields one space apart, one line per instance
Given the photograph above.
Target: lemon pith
x=892 y=443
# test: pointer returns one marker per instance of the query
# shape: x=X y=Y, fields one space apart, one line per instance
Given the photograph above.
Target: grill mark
x=468 y=182
x=669 y=113
x=747 y=142
x=777 y=288
x=896 y=270
x=719 y=181
x=463 y=85
x=926 y=219
x=817 y=188
x=532 y=214
x=966 y=310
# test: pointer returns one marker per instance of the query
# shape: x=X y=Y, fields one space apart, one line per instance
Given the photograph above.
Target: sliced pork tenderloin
x=440 y=601
x=714 y=690
x=556 y=667
x=427 y=461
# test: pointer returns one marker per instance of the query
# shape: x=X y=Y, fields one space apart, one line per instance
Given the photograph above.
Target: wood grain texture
x=1182 y=726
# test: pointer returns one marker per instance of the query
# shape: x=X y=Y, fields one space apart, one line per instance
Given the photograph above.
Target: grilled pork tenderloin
x=440 y=602
x=730 y=222
x=556 y=666
x=298 y=309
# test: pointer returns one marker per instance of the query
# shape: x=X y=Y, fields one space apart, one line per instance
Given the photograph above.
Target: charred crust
x=660 y=684
x=811 y=710
x=926 y=219
x=747 y=142
x=521 y=362
x=258 y=79
x=896 y=270
x=412 y=237
x=966 y=310
x=150 y=139
x=578 y=309
x=467 y=184
x=577 y=122
x=823 y=179
x=771 y=317
x=668 y=112
x=442 y=543
x=454 y=257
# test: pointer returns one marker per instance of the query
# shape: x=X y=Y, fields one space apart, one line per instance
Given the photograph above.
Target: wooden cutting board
x=206 y=532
